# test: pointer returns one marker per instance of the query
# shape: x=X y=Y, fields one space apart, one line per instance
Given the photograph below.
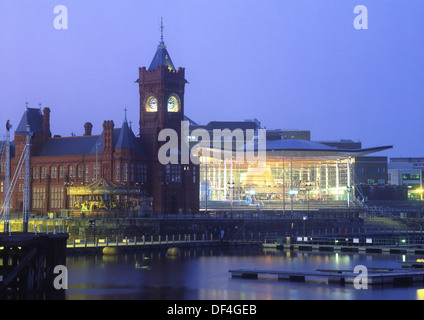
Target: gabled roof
x=33 y=118
x=70 y=146
x=123 y=138
x=126 y=139
x=191 y=122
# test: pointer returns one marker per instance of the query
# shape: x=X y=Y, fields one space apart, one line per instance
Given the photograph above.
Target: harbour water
x=202 y=274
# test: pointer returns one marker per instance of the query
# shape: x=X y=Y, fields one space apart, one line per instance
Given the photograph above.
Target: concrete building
x=404 y=173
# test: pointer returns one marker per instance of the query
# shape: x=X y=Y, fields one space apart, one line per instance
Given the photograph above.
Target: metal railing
x=151 y=241
x=140 y=241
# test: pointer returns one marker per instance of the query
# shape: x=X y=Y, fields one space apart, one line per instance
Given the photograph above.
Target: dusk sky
x=292 y=64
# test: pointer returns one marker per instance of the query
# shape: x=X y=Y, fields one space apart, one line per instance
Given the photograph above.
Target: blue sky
x=292 y=64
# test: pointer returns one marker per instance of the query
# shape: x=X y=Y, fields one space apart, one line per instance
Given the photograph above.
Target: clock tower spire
x=161 y=31
x=161 y=89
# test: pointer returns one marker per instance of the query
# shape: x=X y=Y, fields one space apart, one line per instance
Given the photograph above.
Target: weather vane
x=161 y=30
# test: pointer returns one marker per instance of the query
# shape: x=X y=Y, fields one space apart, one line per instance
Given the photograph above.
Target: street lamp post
x=421 y=197
x=97 y=160
x=349 y=188
x=308 y=186
x=231 y=187
x=304 y=225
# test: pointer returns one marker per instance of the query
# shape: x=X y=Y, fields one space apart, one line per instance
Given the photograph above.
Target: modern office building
x=371 y=170
x=404 y=172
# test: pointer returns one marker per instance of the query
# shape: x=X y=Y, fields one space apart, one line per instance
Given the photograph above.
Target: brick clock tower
x=174 y=187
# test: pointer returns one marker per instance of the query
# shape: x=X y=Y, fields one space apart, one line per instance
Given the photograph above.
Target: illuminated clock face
x=152 y=104
x=173 y=104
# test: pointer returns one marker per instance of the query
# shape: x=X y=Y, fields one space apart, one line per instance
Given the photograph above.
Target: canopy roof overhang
x=328 y=153
x=325 y=153
x=102 y=187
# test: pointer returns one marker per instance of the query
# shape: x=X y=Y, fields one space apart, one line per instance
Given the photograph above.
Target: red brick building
x=116 y=156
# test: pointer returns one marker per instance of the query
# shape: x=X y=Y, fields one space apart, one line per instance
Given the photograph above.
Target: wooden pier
x=374 y=276
x=27 y=263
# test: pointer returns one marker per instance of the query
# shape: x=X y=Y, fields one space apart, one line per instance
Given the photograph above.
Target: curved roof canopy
x=300 y=149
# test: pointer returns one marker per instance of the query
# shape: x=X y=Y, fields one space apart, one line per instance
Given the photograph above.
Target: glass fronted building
x=288 y=174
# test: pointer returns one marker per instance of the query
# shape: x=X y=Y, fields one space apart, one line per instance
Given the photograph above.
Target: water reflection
x=203 y=274
x=420 y=294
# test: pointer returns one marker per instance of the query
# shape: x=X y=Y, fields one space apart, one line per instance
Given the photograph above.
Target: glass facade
x=278 y=182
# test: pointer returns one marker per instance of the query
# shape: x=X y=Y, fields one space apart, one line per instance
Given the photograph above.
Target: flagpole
x=7 y=180
x=26 y=206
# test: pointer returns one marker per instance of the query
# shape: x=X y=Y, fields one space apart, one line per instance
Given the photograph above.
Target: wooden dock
x=374 y=277
x=342 y=248
x=27 y=261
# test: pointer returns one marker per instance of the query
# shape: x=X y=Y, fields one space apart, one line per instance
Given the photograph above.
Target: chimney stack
x=46 y=123
x=88 y=126
x=108 y=136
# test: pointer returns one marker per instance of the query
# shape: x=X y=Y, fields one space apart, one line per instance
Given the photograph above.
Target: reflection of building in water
x=292 y=171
